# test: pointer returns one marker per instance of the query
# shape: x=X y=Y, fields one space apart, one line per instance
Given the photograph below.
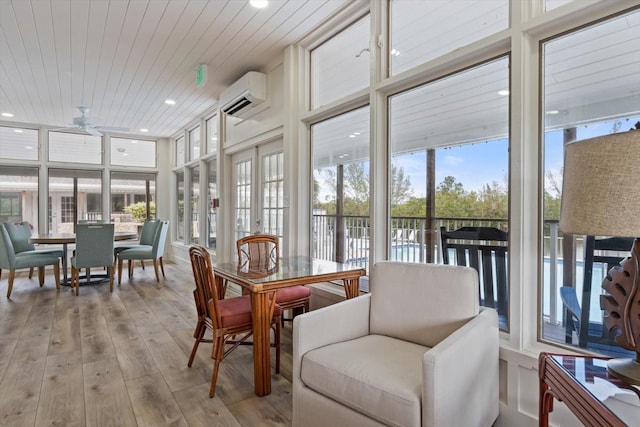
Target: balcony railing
x=412 y=240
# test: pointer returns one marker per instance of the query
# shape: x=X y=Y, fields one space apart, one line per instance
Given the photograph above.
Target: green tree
x=356 y=189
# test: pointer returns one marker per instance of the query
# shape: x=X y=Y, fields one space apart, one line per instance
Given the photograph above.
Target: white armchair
x=416 y=351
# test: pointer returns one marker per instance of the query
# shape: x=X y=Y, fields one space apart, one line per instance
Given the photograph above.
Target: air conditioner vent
x=241 y=97
x=237 y=106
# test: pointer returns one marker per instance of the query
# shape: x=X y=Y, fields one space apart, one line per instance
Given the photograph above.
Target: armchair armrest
x=343 y=321
x=462 y=371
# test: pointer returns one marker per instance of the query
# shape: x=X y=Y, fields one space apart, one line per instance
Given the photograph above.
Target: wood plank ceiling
x=123 y=59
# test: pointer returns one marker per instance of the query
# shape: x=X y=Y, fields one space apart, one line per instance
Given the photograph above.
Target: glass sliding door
x=133 y=198
x=75 y=194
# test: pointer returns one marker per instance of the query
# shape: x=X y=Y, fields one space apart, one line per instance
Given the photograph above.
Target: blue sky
x=478 y=164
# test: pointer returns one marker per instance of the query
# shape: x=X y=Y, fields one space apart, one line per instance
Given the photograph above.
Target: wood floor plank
x=62 y=397
x=172 y=361
x=131 y=350
x=7 y=345
x=201 y=411
x=153 y=403
x=122 y=359
x=65 y=336
x=22 y=382
x=107 y=399
x=94 y=332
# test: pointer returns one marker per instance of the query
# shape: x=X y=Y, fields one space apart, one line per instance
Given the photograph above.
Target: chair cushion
x=28 y=260
x=136 y=252
x=292 y=293
x=376 y=375
x=430 y=301
x=237 y=311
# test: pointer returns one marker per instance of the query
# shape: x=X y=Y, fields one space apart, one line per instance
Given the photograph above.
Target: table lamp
x=601 y=197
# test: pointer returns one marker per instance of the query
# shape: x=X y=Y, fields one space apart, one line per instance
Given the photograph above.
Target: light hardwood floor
x=120 y=359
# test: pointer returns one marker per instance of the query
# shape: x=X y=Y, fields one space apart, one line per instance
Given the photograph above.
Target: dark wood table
x=262 y=283
x=589 y=391
x=65 y=238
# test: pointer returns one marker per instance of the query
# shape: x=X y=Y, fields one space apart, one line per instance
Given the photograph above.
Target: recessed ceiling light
x=503 y=92
x=28 y=147
x=553 y=112
x=170 y=102
x=352 y=136
x=7 y=115
x=17 y=130
x=259 y=4
x=356 y=133
x=144 y=130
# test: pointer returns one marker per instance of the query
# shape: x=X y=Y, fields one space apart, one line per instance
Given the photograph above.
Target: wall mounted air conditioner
x=241 y=97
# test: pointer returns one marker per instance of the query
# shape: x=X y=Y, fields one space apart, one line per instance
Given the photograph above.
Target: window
x=340 y=66
x=273 y=194
x=18 y=143
x=212 y=204
x=133 y=152
x=587 y=76
x=19 y=194
x=180 y=151
x=195 y=205
x=194 y=144
x=340 y=217
x=75 y=194
x=424 y=30
x=180 y=205
x=75 y=148
x=450 y=165
x=212 y=135
x=133 y=198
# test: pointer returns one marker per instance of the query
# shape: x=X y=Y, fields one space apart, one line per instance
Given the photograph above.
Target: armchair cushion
x=421 y=303
x=378 y=376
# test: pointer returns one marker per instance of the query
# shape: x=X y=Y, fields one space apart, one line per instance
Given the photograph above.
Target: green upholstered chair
x=94 y=248
x=19 y=234
x=12 y=261
x=148 y=233
x=143 y=252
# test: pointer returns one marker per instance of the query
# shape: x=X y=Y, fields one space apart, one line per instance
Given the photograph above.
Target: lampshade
x=601 y=186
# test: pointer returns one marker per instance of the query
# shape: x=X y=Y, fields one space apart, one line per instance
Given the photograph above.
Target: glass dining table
x=263 y=281
x=65 y=239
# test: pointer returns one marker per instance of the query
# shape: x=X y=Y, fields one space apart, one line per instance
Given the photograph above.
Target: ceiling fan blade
x=92 y=131
x=112 y=128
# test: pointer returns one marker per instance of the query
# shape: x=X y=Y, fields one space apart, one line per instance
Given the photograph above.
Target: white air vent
x=240 y=98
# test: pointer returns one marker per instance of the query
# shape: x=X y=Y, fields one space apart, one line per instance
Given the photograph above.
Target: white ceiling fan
x=87 y=124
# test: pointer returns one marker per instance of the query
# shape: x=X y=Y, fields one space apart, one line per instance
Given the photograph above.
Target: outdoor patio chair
x=577 y=313
x=485 y=250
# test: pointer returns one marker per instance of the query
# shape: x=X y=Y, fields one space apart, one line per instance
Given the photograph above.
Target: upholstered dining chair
x=263 y=249
x=94 y=248
x=141 y=252
x=418 y=350
x=225 y=318
x=12 y=261
x=19 y=234
x=147 y=234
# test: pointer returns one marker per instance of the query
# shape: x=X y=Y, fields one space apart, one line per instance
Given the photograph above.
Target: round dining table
x=65 y=238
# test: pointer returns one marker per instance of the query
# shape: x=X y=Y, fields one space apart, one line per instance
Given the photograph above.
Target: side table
x=584 y=385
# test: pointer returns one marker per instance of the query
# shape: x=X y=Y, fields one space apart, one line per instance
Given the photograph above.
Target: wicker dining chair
x=264 y=249
x=225 y=318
